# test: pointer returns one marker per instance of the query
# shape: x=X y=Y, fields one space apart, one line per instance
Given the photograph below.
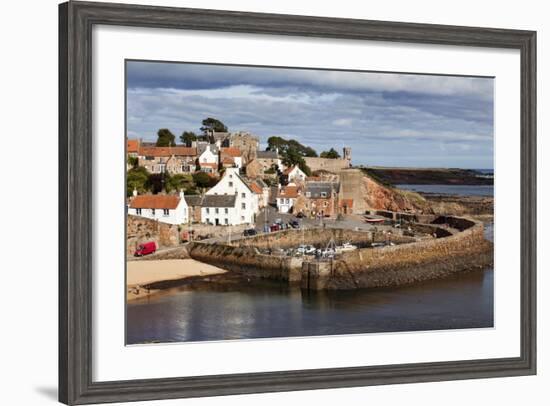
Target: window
x=207 y=211
x=226 y=210
x=138 y=212
x=242 y=218
x=166 y=212
x=216 y=210
x=243 y=206
x=153 y=212
x=230 y=184
x=243 y=195
x=230 y=176
x=226 y=222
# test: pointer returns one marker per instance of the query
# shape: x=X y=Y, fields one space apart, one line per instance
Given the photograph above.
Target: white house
x=245 y=202
x=171 y=209
x=219 y=210
x=208 y=160
x=286 y=197
x=295 y=174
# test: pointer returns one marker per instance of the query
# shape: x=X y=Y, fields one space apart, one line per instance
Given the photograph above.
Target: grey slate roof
x=219 y=200
x=316 y=189
x=193 y=200
x=201 y=147
x=267 y=154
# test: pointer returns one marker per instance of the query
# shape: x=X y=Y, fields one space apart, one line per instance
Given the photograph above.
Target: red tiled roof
x=231 y=151
x=208 y=165
x=256 y=189
x=288 y=192
x=155 y=202
x=167 y=151
x=132 y=146
x=313 y=179
x=346 y=203
x=228 y=160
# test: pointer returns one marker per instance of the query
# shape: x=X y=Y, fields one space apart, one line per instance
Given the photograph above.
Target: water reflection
x=269 y=310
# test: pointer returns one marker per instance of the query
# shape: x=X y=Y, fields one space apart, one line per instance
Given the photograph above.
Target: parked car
x=294 y=224
x=275 y=227
x=145 y=249
x=250 y=232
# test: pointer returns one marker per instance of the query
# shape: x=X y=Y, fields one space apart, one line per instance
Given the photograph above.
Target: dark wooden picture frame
x=76 y=20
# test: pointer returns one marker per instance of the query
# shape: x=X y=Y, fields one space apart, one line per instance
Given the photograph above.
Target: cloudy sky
x=387 y=119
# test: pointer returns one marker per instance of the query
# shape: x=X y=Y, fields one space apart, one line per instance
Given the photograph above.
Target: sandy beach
x=141 y=273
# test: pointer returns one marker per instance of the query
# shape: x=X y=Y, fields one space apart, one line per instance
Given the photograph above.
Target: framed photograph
x=259 y=202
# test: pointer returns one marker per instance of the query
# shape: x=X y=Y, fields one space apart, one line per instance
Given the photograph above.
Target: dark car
x=294 y=224
x=249 y=232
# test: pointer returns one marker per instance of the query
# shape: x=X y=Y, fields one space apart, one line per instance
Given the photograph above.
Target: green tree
x=133 y=161
x=283 y=145
x=293 y=157
x=156 y=182
x=331 y=154
x=178 y=182
x=187 y=137
x=201 y=179
x=136 y=178
x=165 y=138
x=213 y=124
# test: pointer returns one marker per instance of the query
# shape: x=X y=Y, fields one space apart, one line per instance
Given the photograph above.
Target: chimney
x=182 y=194
x=135 y=192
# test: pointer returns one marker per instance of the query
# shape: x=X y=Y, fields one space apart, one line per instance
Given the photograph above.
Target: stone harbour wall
x=319 y=237
x=405 y=264
x=363 y=268
x=247 y=260
x=141 y=229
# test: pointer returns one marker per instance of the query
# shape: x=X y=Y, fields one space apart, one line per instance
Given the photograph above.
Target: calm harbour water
x=462 y=190
x=267 y=309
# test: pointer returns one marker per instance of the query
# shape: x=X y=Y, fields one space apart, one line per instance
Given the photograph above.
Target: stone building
x=328 y=164
x=231 y=157
x=194 y=204
x=173 y=160
x=321 y=199
x=247 y=143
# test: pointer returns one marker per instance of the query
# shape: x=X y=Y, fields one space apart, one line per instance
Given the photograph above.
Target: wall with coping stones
x=405 y=264
x=363 y=268
x=247 y=260
x=319 y=237
x=141 y=229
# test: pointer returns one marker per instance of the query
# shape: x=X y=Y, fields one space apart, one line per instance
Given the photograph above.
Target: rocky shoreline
x=427 y=176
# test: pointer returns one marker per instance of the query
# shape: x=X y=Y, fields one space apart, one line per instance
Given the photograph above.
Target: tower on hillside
x=347 y=155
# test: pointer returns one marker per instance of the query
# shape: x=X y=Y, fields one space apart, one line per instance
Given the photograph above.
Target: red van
x=145 y=249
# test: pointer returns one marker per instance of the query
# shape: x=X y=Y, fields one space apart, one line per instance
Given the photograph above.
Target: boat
x=346 y=247
x=374 y=221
